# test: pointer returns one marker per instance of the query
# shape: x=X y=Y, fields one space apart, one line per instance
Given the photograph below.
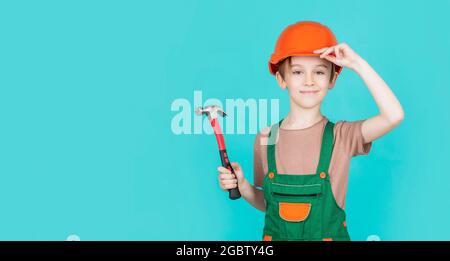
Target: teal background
x=86 y=88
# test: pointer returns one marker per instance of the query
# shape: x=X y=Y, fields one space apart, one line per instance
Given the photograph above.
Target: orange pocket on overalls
x=295 y=208
x=294 y=212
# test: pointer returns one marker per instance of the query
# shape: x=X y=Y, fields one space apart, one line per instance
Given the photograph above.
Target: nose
x=309 y=80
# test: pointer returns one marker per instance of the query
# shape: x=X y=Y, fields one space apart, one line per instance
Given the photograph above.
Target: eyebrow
x=295 y=64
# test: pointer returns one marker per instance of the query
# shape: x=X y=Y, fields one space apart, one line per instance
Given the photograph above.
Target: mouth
x=309 y=92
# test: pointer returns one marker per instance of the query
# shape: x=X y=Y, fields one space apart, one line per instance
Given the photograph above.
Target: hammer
x=212 y=112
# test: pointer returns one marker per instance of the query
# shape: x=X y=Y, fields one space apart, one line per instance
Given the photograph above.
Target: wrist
x=244 y=185
x=359 y=65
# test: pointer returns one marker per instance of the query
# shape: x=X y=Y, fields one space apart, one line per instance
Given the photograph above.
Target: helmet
x=302 y=39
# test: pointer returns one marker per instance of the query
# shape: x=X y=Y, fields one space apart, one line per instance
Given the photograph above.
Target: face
x=307 y=80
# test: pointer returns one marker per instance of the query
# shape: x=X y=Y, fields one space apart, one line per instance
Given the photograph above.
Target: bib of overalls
x=302 y=206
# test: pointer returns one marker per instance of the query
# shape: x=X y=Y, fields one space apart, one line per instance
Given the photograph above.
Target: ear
x=280 y=80
x=333 y=82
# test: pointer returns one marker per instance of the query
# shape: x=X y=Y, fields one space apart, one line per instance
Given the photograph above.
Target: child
x=302 y=162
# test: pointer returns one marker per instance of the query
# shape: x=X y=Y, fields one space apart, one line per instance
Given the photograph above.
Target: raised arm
x=390 y=110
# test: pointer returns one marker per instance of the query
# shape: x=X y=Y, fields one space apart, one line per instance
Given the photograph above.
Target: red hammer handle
x=233 y=193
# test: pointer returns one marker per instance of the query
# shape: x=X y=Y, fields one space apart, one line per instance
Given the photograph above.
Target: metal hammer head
x=211 y=111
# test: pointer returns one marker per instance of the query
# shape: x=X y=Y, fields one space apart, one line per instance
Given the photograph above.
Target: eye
x=320 y=73
x=297 y=72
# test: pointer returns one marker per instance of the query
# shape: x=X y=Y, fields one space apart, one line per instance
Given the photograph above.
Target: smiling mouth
x=309 y=92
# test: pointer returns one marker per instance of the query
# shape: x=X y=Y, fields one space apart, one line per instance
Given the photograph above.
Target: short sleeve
x=349 y=136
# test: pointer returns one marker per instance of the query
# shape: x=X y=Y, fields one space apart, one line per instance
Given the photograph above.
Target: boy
x=302 y=162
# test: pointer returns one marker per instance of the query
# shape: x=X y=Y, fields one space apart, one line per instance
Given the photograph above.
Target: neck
x=301 y=118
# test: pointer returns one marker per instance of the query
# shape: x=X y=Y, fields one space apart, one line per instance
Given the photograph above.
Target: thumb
x=236 y=166
x=238 y=171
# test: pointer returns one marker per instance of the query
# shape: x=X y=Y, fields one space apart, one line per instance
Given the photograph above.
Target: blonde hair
x=286 y=64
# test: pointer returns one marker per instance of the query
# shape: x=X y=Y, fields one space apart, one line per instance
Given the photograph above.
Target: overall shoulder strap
x=273 y=136
x=326 y=149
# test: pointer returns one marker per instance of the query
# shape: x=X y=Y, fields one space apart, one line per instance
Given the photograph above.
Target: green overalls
x=302 y=207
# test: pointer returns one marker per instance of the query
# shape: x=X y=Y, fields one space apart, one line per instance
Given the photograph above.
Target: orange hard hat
x=302 y=39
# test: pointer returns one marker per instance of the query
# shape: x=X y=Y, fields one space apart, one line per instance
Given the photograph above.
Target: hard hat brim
x=274 y=62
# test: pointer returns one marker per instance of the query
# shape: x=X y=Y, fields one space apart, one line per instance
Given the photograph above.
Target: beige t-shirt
x=298 y=152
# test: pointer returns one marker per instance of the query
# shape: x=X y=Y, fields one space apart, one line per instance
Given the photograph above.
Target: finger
x=331 y=59
x=228 y=182
x=328 y=51
x=223 y=170
x=320 y=50
x=231 y=186
x=337 y=51
x=227 y=176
